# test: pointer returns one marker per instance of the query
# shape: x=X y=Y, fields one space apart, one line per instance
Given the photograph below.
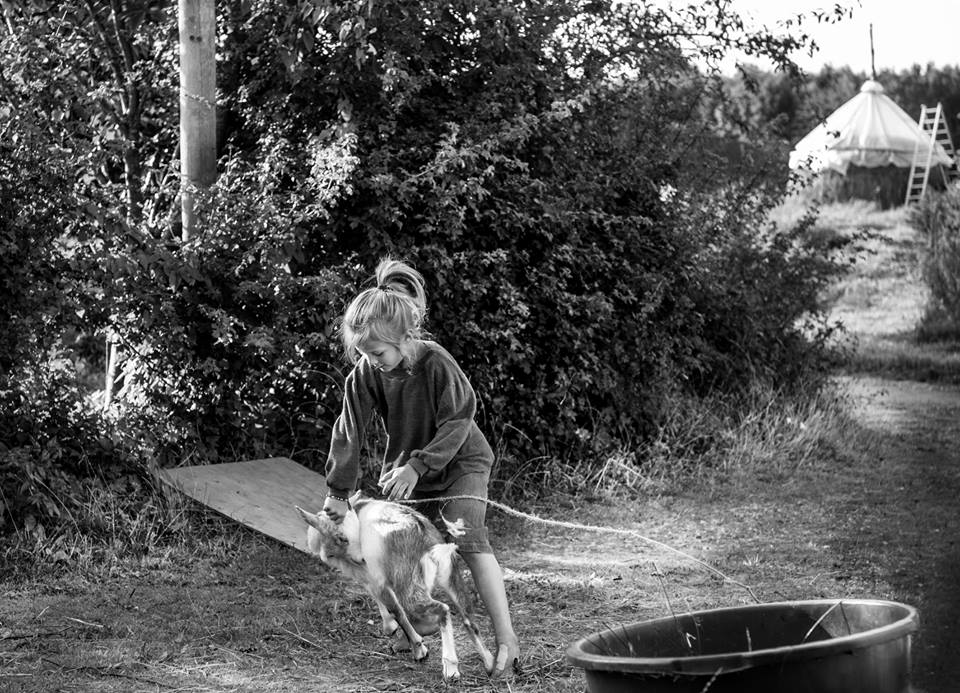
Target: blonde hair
x=388 y=312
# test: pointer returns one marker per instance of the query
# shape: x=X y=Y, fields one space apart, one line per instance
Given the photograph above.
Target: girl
x=427 y=405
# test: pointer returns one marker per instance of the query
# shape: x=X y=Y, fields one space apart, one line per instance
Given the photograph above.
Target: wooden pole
x=198 y=104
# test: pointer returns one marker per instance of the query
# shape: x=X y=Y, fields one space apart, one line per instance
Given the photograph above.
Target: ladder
x=934 y=124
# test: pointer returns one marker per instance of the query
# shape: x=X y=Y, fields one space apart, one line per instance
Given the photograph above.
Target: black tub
x=823 y=646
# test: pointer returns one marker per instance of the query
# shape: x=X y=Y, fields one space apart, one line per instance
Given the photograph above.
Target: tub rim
x=725 y=662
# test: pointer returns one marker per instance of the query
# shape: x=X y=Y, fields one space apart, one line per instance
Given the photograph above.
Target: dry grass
x=238 y=612
x=260 y=617
x=792 y=500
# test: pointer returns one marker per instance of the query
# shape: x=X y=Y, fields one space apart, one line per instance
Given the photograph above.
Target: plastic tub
x=824 y=646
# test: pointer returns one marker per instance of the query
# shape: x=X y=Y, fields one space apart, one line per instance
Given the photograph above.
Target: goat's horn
x=309 y=518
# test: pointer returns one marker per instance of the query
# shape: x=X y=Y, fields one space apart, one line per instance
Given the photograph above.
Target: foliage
x=99 y=80
x=228 y=354
x=938 y=217
x=548 y=167
x=526 y=185
x=49 y=436
x=758 y=289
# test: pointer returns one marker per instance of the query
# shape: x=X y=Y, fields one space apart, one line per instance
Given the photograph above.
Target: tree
x=110 y=75
x=545 y=164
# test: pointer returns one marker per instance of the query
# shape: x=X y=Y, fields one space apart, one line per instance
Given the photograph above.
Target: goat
x=401 y=559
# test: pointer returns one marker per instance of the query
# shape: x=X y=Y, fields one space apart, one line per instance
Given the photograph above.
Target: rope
x=589 y=528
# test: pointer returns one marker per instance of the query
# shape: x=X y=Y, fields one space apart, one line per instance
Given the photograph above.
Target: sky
x=905 y=32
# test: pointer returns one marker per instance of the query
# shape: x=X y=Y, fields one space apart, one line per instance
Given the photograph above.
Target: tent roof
x=869 y=130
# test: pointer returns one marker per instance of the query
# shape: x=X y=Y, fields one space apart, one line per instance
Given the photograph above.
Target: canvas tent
x=868 y=131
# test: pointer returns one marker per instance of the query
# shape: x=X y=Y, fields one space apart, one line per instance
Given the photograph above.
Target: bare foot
x=507 y=662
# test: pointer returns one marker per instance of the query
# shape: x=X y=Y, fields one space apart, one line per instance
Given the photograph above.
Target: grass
x=883 y=304
x=205 y=605
x=163 y=595
x=890 y=325
x=713 y=442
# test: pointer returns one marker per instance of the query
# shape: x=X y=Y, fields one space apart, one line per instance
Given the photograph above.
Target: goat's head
x=331 y=541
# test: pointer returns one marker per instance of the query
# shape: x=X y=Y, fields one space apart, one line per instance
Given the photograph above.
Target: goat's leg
x=451 y=664
x=472 y=630
x=388 y=624
x=390 y=628
x=417 y=646
x=446 y=579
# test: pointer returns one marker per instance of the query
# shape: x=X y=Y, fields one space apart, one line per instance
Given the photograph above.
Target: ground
x=256 y=616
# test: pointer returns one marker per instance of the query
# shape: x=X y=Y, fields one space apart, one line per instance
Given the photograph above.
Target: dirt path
x=911 y=525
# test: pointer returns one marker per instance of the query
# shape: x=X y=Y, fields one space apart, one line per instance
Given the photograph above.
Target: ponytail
x=388 y=312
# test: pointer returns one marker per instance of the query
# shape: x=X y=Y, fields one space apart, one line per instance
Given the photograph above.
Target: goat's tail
x=449 y=576
x=444 y=557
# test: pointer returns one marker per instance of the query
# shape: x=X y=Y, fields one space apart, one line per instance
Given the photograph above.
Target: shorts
x=472 y=513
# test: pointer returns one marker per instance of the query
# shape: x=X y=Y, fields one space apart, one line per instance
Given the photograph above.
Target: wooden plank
x=260 y=494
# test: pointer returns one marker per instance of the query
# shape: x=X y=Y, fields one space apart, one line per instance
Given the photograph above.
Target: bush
x=574 y=288
x=228 y=353
x=938 y=217
x=51 y=437
x=580 y=294
x=587 y=254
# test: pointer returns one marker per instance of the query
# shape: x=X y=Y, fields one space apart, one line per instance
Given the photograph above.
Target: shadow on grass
x=906 y=355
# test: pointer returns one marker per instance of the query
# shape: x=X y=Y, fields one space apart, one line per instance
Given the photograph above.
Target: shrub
x=51 y=439
x=585 y=257
x=229 y=353
x=50 y=435
x=938 y=217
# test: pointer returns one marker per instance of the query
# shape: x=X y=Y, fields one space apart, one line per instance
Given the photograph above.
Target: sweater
x=428 y=410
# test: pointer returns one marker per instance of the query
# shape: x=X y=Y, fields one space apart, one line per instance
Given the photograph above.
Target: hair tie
x=383 y=287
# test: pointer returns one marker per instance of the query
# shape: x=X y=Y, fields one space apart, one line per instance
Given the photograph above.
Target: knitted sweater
x=428 y=411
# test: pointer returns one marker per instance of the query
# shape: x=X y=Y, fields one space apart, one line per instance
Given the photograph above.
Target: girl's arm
x=456 y=405
x=343 y=460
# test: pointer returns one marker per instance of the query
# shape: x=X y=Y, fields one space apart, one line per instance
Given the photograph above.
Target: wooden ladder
x=934 y=124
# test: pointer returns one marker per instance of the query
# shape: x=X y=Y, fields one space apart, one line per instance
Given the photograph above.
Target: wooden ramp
x=260 y=494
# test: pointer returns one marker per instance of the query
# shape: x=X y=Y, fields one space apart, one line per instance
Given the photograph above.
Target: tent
x=868 y=131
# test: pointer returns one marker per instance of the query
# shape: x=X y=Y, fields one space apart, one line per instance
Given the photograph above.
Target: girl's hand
x=398 y=483
x=335 y=509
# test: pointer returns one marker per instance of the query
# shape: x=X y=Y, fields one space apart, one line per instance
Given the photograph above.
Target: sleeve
x=456 y=405
x=343 y=460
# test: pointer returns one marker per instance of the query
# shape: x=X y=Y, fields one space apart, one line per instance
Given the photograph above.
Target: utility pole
x=198 y=104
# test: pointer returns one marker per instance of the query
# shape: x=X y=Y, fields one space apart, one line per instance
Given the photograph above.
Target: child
x=427 y=405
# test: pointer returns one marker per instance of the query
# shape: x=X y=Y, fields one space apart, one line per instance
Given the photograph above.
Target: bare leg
x=488 y=578
x=445 y=581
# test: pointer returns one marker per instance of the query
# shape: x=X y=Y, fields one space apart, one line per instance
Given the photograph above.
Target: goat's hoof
x=451 y=671
x=488 y=663
x=420 y=652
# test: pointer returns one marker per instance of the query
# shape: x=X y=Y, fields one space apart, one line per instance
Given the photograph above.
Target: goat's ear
x=355 y=497
x=309 y=518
